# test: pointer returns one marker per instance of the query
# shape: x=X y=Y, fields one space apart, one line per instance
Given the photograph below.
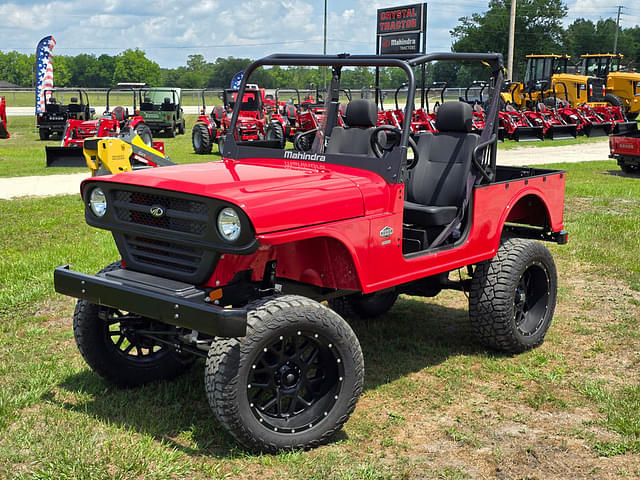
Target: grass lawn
x=436 y=405
x=24 y=153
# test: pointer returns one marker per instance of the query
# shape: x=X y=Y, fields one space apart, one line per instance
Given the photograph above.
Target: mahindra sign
x=400 y=43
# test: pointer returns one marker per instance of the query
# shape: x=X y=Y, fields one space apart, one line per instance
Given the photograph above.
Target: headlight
x=98 y=202
x=229 y=224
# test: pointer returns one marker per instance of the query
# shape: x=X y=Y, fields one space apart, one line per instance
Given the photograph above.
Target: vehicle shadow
x=620 y=173
x=413 y=336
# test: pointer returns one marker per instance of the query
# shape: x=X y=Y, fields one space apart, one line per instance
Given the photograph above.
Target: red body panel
x=323 y=222
x=626 y=145
x=4 y=133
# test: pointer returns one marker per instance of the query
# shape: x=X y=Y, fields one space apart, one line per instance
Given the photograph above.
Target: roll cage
x=391 y=165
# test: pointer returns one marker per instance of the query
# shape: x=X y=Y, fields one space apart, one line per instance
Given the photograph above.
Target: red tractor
x=231 y=261
x=113 y=123
x=251 y=125
x=4 y=133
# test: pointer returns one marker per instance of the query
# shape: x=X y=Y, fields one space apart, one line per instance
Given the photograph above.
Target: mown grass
x=24 y=153
x=436 y=404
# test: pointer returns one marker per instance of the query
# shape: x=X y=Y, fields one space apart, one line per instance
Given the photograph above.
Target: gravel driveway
x=527 y=155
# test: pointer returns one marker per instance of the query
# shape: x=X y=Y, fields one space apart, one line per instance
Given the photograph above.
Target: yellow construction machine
x=546 y=77
x=622 y=87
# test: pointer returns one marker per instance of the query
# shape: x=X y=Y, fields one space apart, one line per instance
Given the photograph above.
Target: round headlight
x=229 y=224
x=98 y=202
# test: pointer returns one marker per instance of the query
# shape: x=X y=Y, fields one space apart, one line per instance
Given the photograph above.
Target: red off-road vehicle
x=231 y=260
x=625 y=148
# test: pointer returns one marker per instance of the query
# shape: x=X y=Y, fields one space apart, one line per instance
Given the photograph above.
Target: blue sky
x=169 y=31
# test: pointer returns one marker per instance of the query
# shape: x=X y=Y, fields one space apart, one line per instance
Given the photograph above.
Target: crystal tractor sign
x=398 y=31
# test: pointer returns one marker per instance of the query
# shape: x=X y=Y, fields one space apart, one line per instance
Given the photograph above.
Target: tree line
x=538 y=30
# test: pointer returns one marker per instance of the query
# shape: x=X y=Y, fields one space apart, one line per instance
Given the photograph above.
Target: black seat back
x=439 y=178
x=355 y=138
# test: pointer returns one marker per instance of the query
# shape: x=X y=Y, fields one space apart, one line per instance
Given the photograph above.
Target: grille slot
x=164 y=254
x=180 y=215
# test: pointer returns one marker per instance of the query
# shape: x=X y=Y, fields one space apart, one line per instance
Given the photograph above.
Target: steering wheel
x=379 y=149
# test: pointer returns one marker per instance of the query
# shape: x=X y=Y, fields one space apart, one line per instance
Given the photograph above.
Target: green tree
x=17 y=68
x=134 y=66
x=538 y=30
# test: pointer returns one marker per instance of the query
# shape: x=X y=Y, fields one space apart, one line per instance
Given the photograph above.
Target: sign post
x=398 y=31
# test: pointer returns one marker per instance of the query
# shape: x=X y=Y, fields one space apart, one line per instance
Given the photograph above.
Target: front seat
x=355 y=137
x=437 y=185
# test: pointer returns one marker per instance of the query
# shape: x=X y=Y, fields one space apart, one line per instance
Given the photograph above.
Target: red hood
x=274 y=196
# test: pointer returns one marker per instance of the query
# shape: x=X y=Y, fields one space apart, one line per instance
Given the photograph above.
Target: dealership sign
x=400 y=43
x=401 y=19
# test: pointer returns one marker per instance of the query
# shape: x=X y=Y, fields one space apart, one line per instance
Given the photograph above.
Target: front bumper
x=168 y=301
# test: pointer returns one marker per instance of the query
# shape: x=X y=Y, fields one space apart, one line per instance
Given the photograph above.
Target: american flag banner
x=44 y=70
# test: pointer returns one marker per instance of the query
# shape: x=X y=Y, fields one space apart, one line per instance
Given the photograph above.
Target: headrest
x=454 y=117
x=167 y=100
x=52 y=100
x=74 y=99
x=147 y=100
x=361 y=113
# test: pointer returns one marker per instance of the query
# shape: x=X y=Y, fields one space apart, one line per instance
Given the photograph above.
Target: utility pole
x=615 y=38
x=324 y=50
x=512 y=34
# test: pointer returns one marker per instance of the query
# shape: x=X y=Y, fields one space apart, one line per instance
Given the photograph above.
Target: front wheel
x=113 y=346
x=44 y=133
x=144 y=132
x=292 y=381
x=201 y=139
x=513 y=296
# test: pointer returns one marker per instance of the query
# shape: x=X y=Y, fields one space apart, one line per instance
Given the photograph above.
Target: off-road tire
x=44 y=133
x=144 y=132
x=170 y=132
x=614 y=100
x=632 y=116
x=550 y=102
x=364 y=306
x=628 y=168
x=100 y=353
x=200 y=139
x=499 y=309
x=181 y=128
x=276 y=132
x=230 y=363
x=221 y=142
x=303 y=142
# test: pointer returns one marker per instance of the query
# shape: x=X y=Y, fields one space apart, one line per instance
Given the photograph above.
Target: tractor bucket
x=65 y=157
x=560 y=132
x=597 y=129
x=528 y=134
x=623 y=128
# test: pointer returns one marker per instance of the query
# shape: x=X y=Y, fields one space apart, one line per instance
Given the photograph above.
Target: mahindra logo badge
x=156 y=211
x=386 y=232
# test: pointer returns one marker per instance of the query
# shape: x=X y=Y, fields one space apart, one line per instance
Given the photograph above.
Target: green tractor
x=161 y=109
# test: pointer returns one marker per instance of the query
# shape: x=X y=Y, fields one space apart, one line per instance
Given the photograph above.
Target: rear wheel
x=276 y=132
x=513 y=296
x=144 y=132
x=170 y=131
x=201 y=139
x=44 y=133
x=292 y=381
x=628 y=168
x=113 y=346
x=181 y=127
x=221 y=145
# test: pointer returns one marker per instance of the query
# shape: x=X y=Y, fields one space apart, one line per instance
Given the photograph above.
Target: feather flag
x=44 y=70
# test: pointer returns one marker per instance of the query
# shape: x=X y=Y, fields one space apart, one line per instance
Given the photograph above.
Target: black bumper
x=168 y=301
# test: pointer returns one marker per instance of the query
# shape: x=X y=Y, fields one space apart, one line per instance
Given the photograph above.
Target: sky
x=170 y=31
